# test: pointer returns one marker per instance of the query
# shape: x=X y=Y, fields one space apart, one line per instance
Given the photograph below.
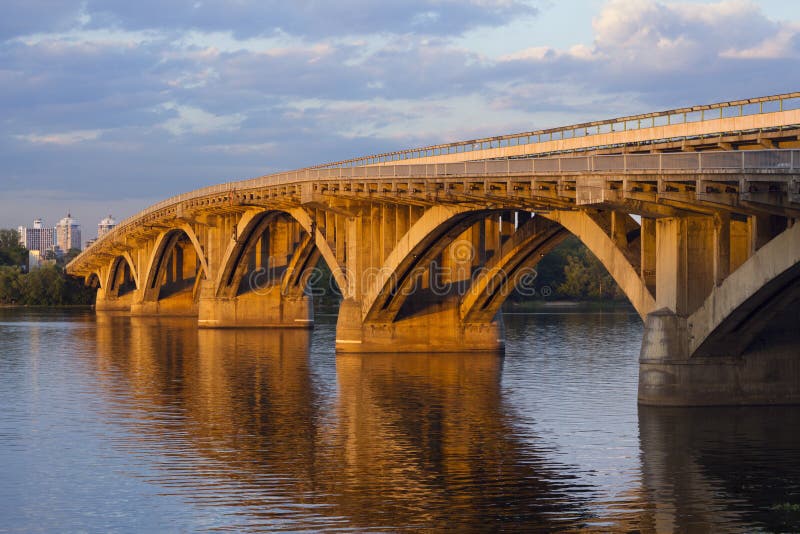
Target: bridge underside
x=704 y=242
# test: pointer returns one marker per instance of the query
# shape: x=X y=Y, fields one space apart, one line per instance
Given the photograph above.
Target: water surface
x=113 y=423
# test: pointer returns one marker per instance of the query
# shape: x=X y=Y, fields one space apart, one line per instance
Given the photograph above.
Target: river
x=114 y=423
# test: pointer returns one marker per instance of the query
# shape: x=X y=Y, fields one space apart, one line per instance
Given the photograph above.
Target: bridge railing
x=781 y=160
x=744 y=160
x=722 y=110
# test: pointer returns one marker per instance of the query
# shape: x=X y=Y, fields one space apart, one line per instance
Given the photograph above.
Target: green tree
x=77 y=292
x=43 y=286
x=10 y=285
x=11 y=252
x=586 y=278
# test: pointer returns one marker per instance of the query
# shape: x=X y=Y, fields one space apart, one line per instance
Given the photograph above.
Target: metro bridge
x=692 y=211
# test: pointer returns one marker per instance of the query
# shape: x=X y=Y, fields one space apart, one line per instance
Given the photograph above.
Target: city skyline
x=42 y=237
x=110 y=109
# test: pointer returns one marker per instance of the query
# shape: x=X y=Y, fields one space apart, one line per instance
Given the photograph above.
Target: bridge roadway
x=697 y=226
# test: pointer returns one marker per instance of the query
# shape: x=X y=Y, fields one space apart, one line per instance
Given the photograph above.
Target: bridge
x=692 y=211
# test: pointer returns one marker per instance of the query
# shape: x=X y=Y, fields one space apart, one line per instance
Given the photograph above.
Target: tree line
x=49 y=285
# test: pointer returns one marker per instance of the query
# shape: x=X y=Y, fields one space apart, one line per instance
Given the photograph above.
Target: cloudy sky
x=112 y=105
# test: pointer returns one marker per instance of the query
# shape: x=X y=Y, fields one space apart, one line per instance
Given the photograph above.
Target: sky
x=108 y=106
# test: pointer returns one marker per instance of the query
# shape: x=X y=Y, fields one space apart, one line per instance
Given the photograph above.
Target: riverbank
x=568 y=306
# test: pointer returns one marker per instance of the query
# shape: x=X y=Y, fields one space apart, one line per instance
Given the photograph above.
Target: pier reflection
x=238 y=419
x=430 y=433
x=720 y=469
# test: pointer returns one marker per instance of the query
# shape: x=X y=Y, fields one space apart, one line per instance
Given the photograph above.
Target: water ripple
x=119 y=424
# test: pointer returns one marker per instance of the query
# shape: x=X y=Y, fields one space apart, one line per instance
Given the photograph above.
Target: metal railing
x=722 y=110
x=782 y=160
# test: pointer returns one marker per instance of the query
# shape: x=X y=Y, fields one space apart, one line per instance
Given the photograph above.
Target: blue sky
x=111 y=105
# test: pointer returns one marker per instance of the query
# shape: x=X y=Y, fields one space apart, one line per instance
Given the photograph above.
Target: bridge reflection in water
x=269 y=428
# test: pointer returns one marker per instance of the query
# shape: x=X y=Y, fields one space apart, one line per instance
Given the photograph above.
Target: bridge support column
x=265 y=308
x=438 y=329
x=107 y=302
x=721 y=343
x=767 y=373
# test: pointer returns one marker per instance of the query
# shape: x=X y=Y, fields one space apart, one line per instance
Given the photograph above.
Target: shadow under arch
x=273 y=247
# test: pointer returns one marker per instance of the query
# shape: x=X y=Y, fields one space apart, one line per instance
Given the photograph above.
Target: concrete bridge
x=692 y=211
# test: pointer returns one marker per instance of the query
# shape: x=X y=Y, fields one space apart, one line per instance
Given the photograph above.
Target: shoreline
x=45 y=306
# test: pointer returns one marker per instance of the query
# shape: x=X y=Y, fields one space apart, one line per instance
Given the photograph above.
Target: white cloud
x=784 y=44
x=666 y=36
x=197 y=121
x=61 y=138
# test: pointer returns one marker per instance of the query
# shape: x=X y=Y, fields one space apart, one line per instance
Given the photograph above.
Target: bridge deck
x=766 y=181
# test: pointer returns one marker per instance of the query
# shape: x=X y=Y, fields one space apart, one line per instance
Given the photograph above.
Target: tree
x=10 y=290
x=586 y=278
x=43 y=286
x=11 y=252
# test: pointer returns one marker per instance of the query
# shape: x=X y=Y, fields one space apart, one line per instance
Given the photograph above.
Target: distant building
x=105 y=226
x=34 y=260
x=37 y=238
x=68 y=234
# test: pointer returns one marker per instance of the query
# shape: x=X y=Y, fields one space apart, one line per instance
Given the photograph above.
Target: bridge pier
x=266 y=308
x=182 y=304
x=438 y=329
x=737 y=346
x=109 y=302
x=768 y=373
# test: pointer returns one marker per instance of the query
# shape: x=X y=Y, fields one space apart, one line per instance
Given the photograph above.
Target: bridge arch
x=749 y=299
x=617 y=262
x=534 y=239
x=297 y=257
x=93 y=280
x=170 y=269
x=438 y=227
x=247 y=232
x=122 y=276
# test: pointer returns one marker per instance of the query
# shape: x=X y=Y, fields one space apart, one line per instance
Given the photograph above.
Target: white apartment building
x=38 y=237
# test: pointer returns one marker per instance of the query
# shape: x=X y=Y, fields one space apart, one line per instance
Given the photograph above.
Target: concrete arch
x=532 y=240
x=747 y=300
x=233 y=267
x=189 y=231
x=426 y=238
x=165 y=242
x=252 y=225
x=110 y=285
x=304 y=259
x=93 y=280
x=591 y=234
x=324 y=249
